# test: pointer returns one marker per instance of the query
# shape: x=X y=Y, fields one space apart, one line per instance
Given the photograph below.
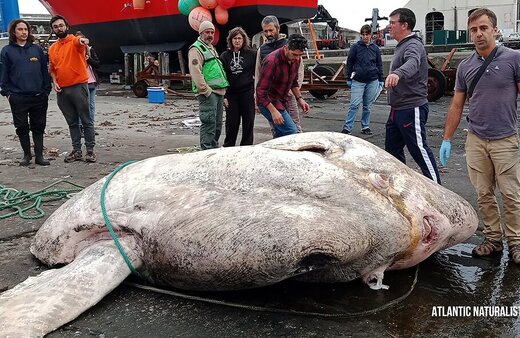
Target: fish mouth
x=430 y=231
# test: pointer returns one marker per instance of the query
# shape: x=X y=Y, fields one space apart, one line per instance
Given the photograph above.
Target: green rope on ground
x=28 y=205
x=107 y=221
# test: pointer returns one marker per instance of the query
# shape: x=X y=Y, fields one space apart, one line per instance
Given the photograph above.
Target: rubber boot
x=38 y=150
x=25 y=142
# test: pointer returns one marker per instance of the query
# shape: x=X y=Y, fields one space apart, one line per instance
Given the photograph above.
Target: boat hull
x=134 y=30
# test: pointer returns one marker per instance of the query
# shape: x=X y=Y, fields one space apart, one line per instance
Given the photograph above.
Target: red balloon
x=221 y=15
x=197 y=16
x=216 y=36
x=209 y=4
x=226 y=3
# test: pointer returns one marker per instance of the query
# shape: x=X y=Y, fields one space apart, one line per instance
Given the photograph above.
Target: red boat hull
x=110 y=25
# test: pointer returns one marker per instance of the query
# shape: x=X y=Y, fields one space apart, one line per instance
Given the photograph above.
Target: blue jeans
x=287 y=128
x=361 y=92
x=91 y=105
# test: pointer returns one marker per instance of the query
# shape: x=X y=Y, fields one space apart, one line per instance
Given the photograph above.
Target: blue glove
x=349 y=83
x=445 y=151
x=381 y=85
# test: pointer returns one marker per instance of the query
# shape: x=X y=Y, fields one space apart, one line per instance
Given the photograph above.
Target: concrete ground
x=132 y=129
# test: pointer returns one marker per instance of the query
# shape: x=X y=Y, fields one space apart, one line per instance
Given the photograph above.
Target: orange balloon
x=209 y=4
x=197 y=16
x=216 y=36
x=226 y=3
x=221 y=15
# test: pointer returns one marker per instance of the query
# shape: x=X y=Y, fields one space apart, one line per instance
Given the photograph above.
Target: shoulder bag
x=481 y=71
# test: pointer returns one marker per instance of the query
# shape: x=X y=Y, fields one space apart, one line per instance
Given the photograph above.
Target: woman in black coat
x=239 y=63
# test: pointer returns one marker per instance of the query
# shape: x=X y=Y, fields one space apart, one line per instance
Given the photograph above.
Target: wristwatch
x=299 y=97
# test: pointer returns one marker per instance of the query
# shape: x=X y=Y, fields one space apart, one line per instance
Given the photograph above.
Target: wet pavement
x=420 y=302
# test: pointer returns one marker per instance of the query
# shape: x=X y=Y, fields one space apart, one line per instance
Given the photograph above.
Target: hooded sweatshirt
x=365 y=61
x=24 y=70
x=411 y=65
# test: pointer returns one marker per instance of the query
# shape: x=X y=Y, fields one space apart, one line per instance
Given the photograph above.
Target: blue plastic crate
x=155 y=94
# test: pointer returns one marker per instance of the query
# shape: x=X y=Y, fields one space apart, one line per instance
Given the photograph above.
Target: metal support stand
x=138 y=64
x=164 y=67
x=128 y=74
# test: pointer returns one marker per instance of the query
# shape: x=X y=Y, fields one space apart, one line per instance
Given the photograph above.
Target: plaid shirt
x=277 y=77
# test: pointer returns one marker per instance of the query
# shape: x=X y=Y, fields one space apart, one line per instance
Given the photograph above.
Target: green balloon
x=185 y=6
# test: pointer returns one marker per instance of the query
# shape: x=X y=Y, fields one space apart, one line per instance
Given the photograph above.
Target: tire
x=436 y=84
x=329 y=72
x=140 y=89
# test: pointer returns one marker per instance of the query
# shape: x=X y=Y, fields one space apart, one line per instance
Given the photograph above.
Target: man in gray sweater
x=407 y=88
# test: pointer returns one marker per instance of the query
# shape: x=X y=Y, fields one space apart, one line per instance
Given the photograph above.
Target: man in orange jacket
x=68 y=69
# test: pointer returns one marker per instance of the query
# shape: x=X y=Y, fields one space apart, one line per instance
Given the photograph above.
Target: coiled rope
x=28 y=205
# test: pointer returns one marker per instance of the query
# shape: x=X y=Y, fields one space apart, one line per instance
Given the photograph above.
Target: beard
x=208 y=40
x=61 y=35
x=274 y=37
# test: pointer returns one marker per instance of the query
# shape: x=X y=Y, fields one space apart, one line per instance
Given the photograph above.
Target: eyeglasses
x=366 y=34
x=58 y=26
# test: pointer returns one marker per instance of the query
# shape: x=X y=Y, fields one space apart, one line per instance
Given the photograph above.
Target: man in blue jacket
x=25 y=81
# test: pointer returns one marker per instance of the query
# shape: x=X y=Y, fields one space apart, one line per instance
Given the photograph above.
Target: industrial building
x=451 y=16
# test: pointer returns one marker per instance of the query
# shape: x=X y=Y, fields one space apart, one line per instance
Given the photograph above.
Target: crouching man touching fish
x=180 y=220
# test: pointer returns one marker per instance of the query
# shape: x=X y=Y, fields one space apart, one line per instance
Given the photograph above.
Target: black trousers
x=29 y=113
x=241 y=107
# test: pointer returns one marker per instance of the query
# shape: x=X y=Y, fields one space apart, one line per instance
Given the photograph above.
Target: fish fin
x=385 y=185
x=374 y=278
x=302 y=142
x=43 y=303
x=379 y=181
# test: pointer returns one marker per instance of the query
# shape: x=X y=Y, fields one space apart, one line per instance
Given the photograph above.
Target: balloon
x=216 y=37
x=221 y=15
x=209 y=4
x=185 y=6
x=226 y=3
x=198 y=15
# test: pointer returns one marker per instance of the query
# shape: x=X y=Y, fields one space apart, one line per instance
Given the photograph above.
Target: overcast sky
x=350 y=14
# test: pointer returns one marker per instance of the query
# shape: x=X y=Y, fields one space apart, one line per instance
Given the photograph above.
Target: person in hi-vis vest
x=209 y=83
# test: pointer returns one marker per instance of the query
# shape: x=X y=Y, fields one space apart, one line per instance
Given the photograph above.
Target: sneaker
x=74 y=155
x=366 y=131
x=345 y=131
x=514 y=253
x=487 y=248
x=90 y=157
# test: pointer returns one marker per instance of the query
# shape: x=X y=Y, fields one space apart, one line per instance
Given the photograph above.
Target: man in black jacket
x=25 y=81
